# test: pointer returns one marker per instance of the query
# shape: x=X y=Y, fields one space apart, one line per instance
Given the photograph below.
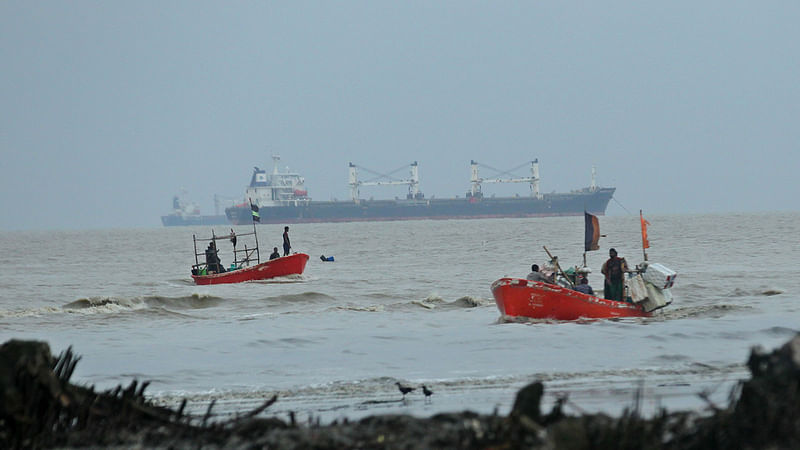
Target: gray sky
x=107 y=109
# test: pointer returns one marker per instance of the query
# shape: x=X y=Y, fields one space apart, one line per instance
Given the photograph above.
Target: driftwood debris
x=39 y=408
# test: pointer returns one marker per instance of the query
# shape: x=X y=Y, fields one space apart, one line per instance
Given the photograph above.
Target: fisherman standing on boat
x=286 y=244
x=614 y=269
x=213 y=264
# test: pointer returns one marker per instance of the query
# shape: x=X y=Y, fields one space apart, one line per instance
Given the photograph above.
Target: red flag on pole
x=645 y=242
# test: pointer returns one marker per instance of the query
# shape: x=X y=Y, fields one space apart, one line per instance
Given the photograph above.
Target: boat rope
x=623 y=206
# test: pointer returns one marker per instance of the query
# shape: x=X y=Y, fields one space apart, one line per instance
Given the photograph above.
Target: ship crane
x=476 y=181
x=385 y=180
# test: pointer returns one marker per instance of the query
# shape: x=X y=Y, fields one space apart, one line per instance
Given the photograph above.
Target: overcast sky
x=107 y=109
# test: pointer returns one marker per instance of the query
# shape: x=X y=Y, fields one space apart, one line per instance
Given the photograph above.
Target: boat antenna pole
x=196 y=261
x=258 y=255
x=558 y=267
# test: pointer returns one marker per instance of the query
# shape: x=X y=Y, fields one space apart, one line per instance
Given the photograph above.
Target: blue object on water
x=329 y=258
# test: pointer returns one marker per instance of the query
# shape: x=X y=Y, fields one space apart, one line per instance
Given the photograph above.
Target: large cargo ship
x=282 y=198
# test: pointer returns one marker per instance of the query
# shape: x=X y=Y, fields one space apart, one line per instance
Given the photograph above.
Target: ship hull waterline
x=176 y=220
x=293 y=264
x=536 y=300
x=552 y=205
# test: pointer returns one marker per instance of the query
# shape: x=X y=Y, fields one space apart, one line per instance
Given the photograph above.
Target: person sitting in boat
x=213 y=264
x=535 y=275
x=583 y=286
x=614 y=269
x=275 y=253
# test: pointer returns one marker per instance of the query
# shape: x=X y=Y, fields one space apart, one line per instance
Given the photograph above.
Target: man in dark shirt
x=275 y=253
x=614 y=269
x=213 y=264
x=286 y=244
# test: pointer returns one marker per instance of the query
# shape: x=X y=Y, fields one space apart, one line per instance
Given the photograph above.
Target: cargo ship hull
x=562 y=204
x=176 y=220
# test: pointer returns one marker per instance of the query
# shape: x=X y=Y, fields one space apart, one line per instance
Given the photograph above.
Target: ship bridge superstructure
x=386 y=180
x=181 y=206
x=476 y=180
x=276 y=188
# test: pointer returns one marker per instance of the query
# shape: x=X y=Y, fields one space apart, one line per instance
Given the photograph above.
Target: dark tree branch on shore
x=40 y=408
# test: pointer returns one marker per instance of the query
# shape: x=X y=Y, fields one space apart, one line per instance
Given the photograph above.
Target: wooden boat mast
x=248 y=252
x=558 y=266
x=258 y=254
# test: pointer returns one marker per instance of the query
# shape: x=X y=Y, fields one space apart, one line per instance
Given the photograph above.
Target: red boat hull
x=522 y=298
x=287 y=265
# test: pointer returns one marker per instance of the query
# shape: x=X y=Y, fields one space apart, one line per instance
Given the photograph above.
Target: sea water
x=408 y=302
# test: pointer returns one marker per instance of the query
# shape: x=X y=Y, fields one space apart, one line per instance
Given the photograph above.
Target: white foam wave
x=36 y=312
x=105 y=305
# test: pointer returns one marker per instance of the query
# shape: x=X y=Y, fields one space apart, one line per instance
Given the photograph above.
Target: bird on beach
x=427 y=393
x=404 y=389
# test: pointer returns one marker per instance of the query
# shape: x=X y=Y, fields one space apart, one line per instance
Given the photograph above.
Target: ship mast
x=476 y=180
x=412 y=182
x=275 y=159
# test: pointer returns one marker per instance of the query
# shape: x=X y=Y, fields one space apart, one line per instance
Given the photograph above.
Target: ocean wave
x=105 y=305
x=379 y=295
x=115 y=304
x=359 y=308
x=471 y=302
x=194 y=301
x=34 y=312
x=703 y=311
x=765 y=292
x=97 y=305
x=503 y=319
x=310 y=297
x=295 y=278
x=434 y=301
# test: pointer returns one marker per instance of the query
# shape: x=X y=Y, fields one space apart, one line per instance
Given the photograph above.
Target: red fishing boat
x=522 y=298
x=646 y=288
x=246 y=265
x=293 y=264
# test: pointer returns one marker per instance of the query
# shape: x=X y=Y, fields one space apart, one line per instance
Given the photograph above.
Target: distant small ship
x=282 y=198
x=187 y=213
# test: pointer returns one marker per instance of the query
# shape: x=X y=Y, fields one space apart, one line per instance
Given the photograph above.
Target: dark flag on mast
x=256 y=216
x=592 y=232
